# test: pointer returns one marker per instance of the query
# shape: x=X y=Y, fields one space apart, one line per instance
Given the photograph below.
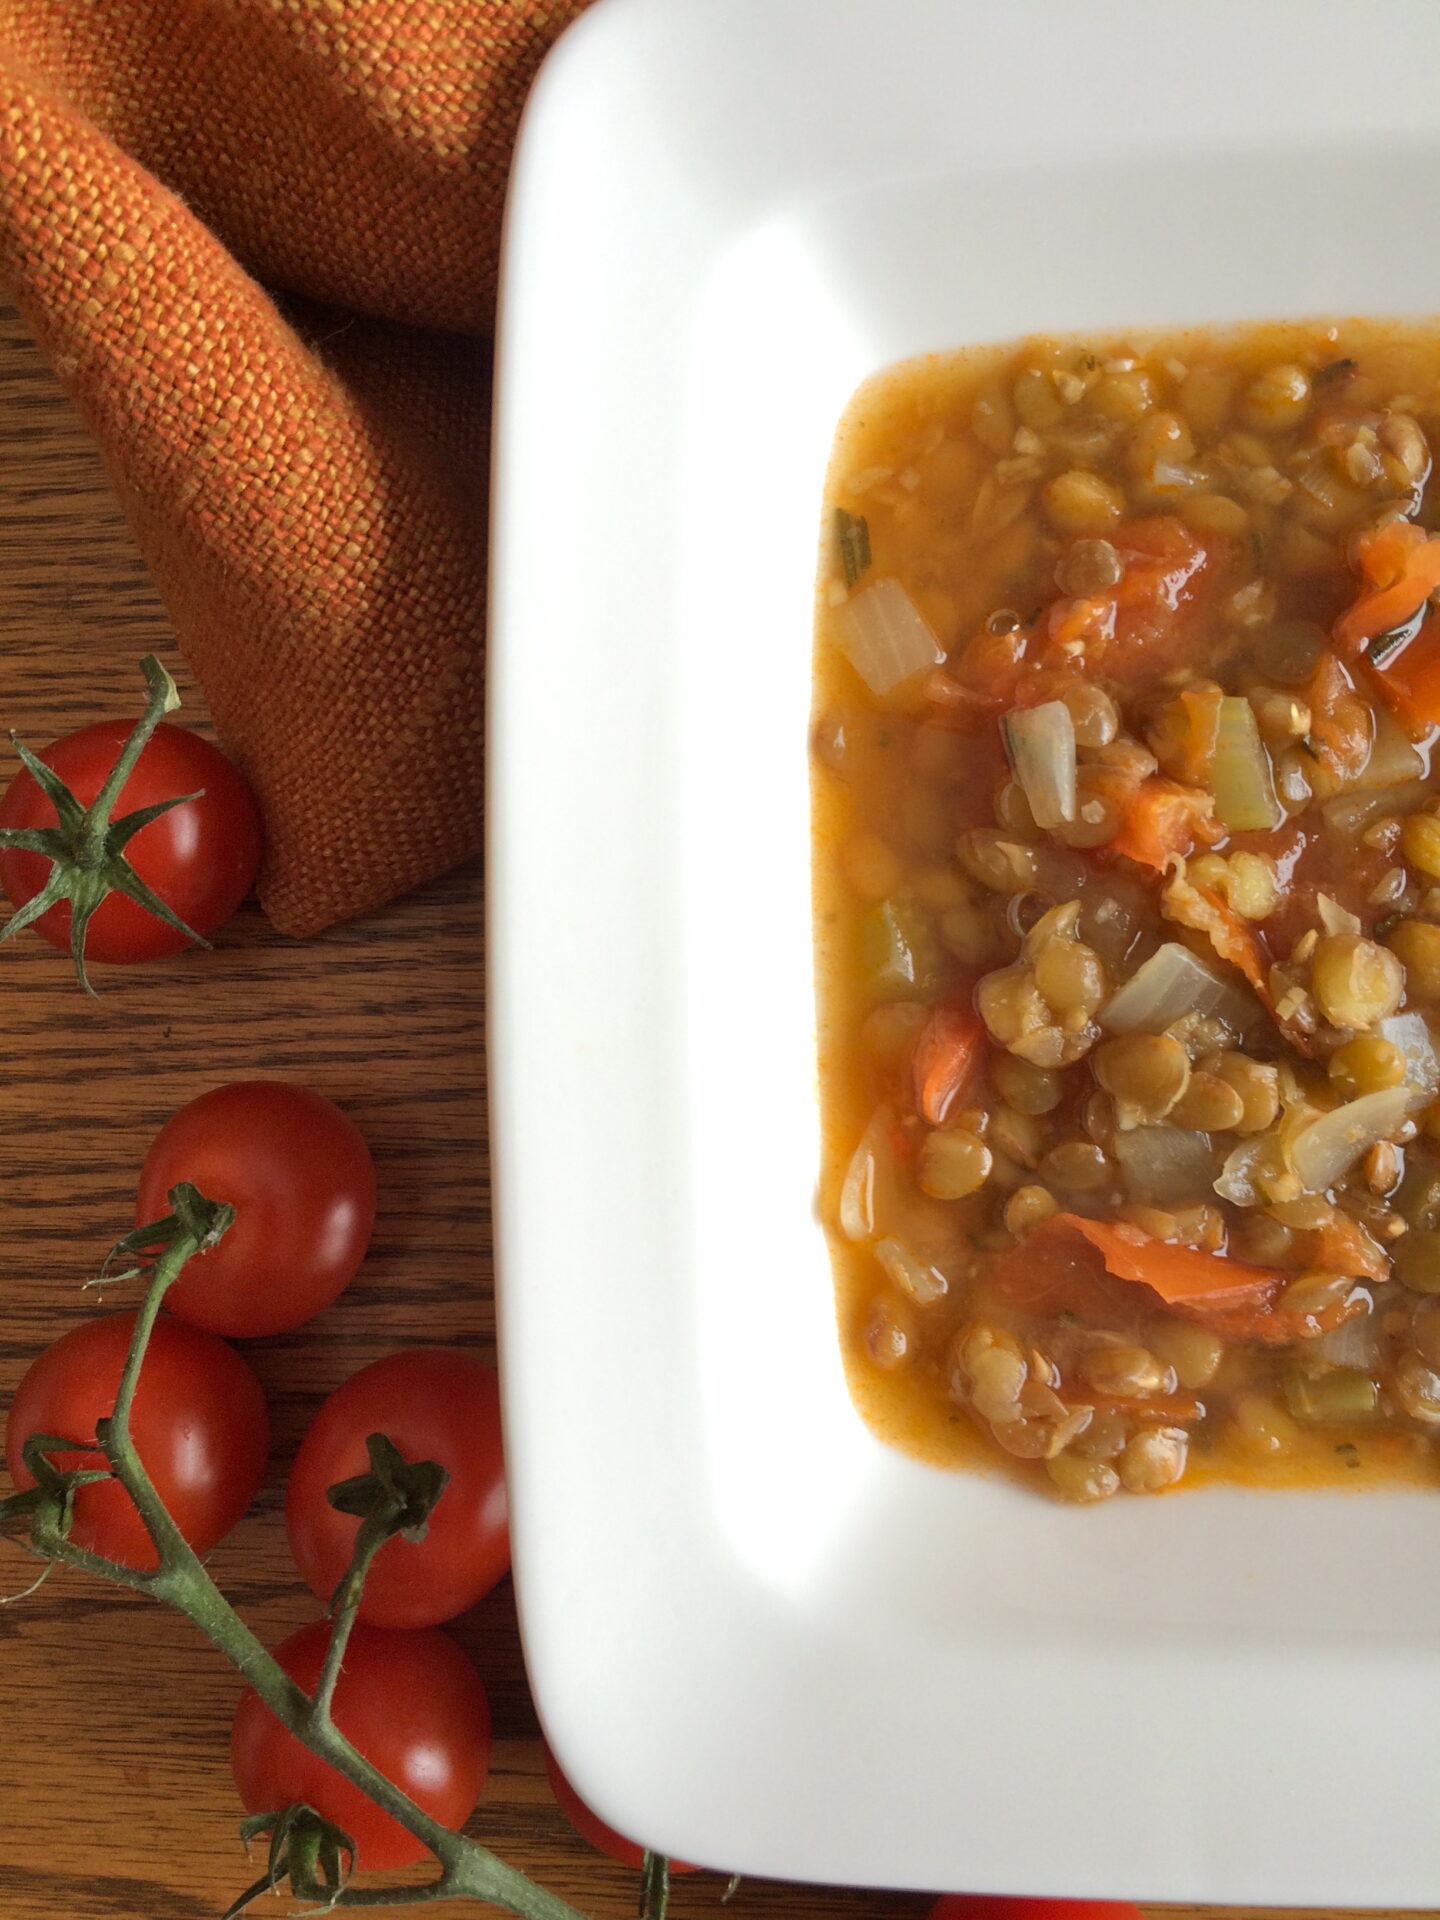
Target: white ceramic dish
x=758 y=1638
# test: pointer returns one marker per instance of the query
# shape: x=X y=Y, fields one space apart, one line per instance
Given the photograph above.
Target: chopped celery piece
x=1241 y=776
x=899 y=949
x=1332 y=1397
x=885 y=636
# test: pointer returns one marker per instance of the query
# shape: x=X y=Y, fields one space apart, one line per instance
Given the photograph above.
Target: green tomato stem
x=367 y=1545
x=163 y=699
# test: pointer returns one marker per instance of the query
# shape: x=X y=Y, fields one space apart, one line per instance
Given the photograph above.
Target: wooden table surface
x=115 y=1792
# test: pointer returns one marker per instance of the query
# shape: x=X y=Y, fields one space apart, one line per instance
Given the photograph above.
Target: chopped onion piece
x=1330 y=1146
x=1241 y=777
x=1239 y=1177
x=1335 y=918
x=1354 y=1343
x=1348 y=814
x=1173 y=982
x=1394 y=759
x=869 y=1178
x=1041 y=744
x=1171 y=476
x=857 y=1191
x=914 y=1276
x=1165 y=1166
x=1411 y=1033
x=885 y=638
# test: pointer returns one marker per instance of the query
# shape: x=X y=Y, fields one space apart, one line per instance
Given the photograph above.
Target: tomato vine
x=313 y=1855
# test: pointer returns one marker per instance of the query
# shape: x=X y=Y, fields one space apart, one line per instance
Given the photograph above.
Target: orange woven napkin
x=304 y=466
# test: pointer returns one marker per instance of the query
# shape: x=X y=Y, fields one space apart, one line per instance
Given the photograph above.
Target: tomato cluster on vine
x=301 y=1180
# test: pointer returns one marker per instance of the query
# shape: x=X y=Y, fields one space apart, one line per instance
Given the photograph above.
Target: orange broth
x=1171 y=595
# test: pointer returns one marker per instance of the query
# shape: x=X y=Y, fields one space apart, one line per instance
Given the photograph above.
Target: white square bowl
x=758 y=1637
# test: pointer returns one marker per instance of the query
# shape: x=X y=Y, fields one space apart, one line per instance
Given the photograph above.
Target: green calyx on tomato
x=199 y=1222
x=48 y=1503
x=311 y=1852
x=397 y=1496
x=88 y=851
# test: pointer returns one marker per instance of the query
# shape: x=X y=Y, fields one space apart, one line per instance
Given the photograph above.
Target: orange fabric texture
x=258 y=240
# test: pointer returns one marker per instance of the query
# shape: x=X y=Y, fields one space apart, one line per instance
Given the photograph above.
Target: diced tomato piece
x=1341 y=729
x=1164 y=597
x=1410 y=678
x=1165 y=820
x=1401 y=564
x=1203 y=911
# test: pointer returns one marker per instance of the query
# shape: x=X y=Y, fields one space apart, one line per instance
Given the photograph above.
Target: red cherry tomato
x=302 y=1183
x=592 y=1828
x=998 y=1906
x=200 y=858
x=435 y=1404
x=410 y=1702
x=198 y=1421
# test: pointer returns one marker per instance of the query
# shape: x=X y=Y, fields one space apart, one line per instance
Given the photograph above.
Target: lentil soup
x=1128 y=907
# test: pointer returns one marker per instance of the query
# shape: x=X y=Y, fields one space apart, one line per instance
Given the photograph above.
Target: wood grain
x=114 y=1716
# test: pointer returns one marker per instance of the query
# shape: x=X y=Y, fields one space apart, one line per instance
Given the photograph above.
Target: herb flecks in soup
x=1128 y=880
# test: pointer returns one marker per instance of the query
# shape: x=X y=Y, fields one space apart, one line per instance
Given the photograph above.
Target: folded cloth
x=304 y=466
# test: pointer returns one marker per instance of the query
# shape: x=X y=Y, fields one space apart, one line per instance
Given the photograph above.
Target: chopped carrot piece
x=1074 y=1263
x=1166 y=1410
x=1401 y=563
x=1165 y=821
x=948 y=1058
x=1180 y=1275
x=1071 y=1263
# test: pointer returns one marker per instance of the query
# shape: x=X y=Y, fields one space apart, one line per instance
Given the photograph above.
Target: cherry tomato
x=410 y=1702
x=198 y=1421
x=302 y=1183
x=592 y=1828
x=999 y=1906
x=200 y=858
x=435 y=1404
